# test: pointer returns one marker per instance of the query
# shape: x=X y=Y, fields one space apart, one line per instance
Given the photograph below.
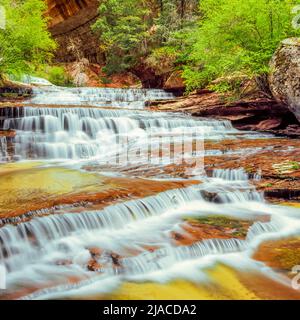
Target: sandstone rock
x=71 y=20
x=94 y=266
x=269 y=124
x=284 y=78
x=175 y=81
x=95 y=252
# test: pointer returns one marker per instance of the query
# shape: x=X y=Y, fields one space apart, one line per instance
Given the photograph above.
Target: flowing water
x=87 y=127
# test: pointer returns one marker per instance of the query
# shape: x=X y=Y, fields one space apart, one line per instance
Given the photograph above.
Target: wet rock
x=64 y=262
x=210 y=227
x=281 y=254
x=95 y=253
x=285 y=75
x=7 y=133
x=94 y=266
x=209 y=196
x=115 y=259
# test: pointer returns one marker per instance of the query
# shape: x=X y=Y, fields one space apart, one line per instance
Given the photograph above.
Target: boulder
x=284 y=79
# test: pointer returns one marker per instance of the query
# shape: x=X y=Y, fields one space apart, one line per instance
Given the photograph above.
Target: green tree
x=134 y=32
x=123 y=29
x=25 y=43
x=236 y=37
x=176 y=20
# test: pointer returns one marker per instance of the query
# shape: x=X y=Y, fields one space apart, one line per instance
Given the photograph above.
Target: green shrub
x=58 y=76
x=236 y=36
x=25 y=43
x=55 y=74
x=122 y=28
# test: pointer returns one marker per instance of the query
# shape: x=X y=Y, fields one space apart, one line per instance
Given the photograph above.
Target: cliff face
x=70 y=22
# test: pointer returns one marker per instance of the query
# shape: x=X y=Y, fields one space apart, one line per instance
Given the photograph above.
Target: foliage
x=123 y=32
x=162 y=59
x=25 y=43
x=55 y=74
x=236 y=36
x=147 y=31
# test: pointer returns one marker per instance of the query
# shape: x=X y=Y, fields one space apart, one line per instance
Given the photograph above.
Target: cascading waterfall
x=56 y=244
x=232 y=175
x=85 y=133
x=39 y=244
x=98 y=97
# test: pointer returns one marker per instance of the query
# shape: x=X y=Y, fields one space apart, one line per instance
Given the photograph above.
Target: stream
x=87 y=207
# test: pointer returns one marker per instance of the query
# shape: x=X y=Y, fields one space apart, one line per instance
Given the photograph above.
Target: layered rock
x=70 y=24
x=285 y=75
x=252 y=112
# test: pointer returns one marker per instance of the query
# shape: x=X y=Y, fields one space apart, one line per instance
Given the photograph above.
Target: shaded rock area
x=175 y=82
x=96 y=77
x=149 y=77
x=255 y=112
x=14 y=92
x=70 y=22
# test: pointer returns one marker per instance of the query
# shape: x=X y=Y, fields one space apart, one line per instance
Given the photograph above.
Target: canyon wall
x=70 y=22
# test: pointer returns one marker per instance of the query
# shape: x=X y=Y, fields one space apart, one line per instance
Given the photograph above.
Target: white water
x=33 y=251
x=85 y=133
x=98 y=97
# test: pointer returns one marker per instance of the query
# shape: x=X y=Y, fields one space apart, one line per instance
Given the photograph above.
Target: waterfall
x=231 y=174
x=38 y=231
x=85 y=133
x=137 y=239
x=98 y=97
x=38 y=244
